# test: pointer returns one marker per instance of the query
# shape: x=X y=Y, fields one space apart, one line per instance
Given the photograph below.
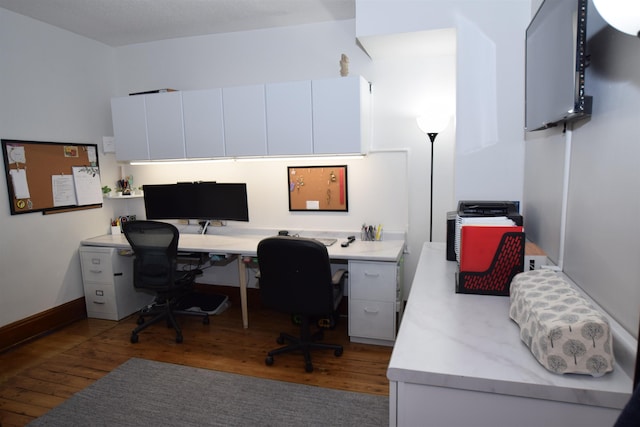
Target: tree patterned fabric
x=564 y=332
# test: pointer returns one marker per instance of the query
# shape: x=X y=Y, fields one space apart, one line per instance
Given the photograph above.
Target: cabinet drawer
x=372 y=319
x=96 y=267
x=100 y=300
x=373 y=281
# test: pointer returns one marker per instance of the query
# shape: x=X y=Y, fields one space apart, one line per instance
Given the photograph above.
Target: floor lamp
x=432 y=125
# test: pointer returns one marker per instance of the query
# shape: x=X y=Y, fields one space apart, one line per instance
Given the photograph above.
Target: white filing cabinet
x=108 y=284
x=374 y=288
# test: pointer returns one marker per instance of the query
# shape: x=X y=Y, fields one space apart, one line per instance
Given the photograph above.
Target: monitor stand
x=204 y=225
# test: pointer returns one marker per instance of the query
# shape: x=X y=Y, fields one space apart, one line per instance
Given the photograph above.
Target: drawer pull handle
x=371 y=274
x=370 y=310
x=96 y=271
x=98 y=302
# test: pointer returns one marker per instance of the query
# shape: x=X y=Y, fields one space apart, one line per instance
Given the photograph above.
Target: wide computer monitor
x=196 y=200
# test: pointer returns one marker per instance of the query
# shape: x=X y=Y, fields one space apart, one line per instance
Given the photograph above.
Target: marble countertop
x=468 y=342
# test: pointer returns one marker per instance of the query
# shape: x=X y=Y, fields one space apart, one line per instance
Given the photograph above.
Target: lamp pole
x=436 y=121
x=432 y=138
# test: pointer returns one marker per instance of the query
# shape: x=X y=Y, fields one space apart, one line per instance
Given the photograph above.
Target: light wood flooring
x=40 y=375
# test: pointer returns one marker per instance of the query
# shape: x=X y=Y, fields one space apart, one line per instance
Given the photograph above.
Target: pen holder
x=371 y=233
x=115 y=229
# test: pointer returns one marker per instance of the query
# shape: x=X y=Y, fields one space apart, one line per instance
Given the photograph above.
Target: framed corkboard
x=318 y=188
x=51 y=177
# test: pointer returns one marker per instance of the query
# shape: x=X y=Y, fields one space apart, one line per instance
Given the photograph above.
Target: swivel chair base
x=164 y=311
x=305 y=343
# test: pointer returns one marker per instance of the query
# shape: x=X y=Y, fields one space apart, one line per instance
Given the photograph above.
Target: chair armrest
x=339 y=276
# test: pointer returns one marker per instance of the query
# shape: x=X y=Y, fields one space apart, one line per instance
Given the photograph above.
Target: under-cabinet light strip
x=244 y=159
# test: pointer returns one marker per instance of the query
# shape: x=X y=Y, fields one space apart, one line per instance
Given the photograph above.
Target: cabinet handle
x=98 y=302
x=96 y=271
x=370 y=311
x=371 y=274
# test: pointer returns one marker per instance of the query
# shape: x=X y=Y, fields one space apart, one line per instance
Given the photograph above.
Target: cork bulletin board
x=51 y=177
x=318 y=188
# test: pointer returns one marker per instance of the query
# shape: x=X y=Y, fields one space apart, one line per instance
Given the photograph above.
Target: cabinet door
x=244 y=121
x=203 y=126
x=289 y=126
x=130 y=127
x=165 y=131
x=340 y=115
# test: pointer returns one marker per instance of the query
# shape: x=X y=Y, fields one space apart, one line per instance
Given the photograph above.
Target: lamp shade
x=624 y=15
x=433 y=122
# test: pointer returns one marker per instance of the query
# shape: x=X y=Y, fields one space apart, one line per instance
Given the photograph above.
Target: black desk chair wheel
x=295 y=278
x=155 y=246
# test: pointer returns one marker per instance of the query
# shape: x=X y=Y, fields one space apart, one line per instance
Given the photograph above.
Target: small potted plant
x=106 y=191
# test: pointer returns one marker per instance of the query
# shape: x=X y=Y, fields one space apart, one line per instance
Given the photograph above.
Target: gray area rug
x=147 y=393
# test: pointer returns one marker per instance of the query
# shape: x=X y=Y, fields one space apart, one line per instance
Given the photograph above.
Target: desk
x=458 y=360
x=388 y=251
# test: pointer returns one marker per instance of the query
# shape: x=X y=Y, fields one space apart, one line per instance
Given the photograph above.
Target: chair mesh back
x=295 y=275
x=155 y=245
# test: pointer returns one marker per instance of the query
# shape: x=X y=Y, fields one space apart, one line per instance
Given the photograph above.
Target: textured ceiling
x=123 y=22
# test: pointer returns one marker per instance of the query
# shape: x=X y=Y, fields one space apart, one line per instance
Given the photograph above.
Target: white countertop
x=468 y=342
x=247 y=244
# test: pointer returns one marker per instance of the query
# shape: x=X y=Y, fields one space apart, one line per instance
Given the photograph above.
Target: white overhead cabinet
x=327 y=116
x=341 y=115
x=148 y=127
x=289 y=123
x=245 y=128
x=130 y=128
x=165 y=129
x=203 y=123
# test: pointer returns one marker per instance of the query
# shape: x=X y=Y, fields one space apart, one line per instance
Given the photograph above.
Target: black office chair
x=155 y=246
x=295 y=277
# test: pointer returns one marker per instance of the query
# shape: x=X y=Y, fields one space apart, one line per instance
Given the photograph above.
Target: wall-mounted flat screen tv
x=556 y=58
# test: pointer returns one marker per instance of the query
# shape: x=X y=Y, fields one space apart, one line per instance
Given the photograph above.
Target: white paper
x=62 y=189
x=20 y=185
x=313 y=204
x=87 y=185
x=92 y=155
x=108 y=144
x=16 y=154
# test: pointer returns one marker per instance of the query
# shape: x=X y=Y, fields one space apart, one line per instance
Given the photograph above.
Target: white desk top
x=469 y=342
x=246 y=245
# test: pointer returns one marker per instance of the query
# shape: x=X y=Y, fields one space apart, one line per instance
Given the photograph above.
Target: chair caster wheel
x=338 y=352
x=134 y=338
x=268 y=361
x=308 y=367
x=205 y=320
x=179 y=339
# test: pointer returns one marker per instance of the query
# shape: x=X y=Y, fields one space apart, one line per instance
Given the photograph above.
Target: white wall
x=489 y=154
x=373 y=197
x=601 y=249
x=55 y=87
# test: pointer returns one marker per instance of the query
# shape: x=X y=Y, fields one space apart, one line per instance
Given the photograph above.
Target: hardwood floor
x=42 y=374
